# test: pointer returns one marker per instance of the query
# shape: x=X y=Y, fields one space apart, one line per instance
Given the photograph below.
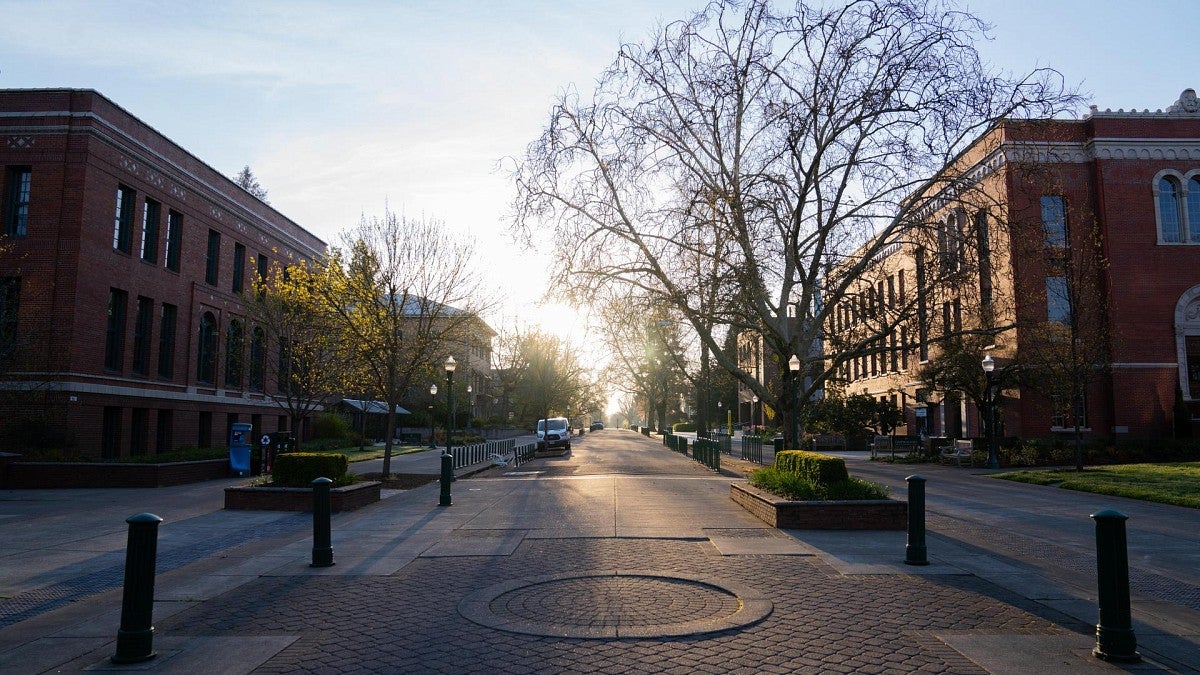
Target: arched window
x=206 y=355
x=234 y=338
x=1170 y=230
x=258 y=357
x=1193 y=209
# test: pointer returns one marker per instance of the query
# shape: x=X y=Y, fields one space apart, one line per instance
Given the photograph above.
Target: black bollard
x=1115 y=640
x=135 y=638
x=914 y=552
x=447 y=476
x=322 y=551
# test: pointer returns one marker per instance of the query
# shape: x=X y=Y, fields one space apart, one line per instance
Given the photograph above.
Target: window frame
x=143 y=330
x=151 y=219
x=114 y=334
x=212 y=261
x=168 y=318
x=239 y=267
x=174 y=239
x=10 y=315
x=206 y=349
x=18 y=189
x=126 y=203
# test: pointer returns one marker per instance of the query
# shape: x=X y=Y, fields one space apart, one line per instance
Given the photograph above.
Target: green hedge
x=799 y=488
x=682 y=426
x=817 y=468
x=300 y=469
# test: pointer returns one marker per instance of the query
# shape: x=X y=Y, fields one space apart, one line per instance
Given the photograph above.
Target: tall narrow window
x=258 y=356
x=1192 y=349
x=143 y=324
x=213 y=262
x=234 y=337
x=174 y=239
x=264 y=264
x=10 y=305
x=284 y=372
x=1193 y=209
x=206 y=355
x=16 y=201
x=123 y=225
x=1058 y=302
x=166 y=341
x=1170 y=227
x=239 y=267
x=1054 y=221
x=922 y=309
x=114 y=338
x=984 y=244
x=151 y=213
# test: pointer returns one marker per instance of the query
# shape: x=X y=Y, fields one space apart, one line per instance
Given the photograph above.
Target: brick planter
x=872 y=514
x=346 y=498
x=44 y=475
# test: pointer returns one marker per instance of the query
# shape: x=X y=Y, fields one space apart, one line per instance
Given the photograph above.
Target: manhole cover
x=630 y=604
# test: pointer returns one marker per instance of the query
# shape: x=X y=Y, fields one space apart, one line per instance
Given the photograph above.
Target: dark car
x=596 y=426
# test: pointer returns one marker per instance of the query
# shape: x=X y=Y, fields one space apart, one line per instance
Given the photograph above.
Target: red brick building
x=121 y=327
x=1003 y=226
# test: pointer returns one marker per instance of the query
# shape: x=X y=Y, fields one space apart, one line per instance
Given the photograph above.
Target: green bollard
x=914 y=551
x=1115 y=640
x=322 y=550
x=447 y=477
x=135 y=637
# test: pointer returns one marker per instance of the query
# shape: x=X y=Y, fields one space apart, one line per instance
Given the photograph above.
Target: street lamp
x=794 y=366
x=432 y=393
x=447 y=458
x=753 y=419
x=470 y=406
x=989 y=400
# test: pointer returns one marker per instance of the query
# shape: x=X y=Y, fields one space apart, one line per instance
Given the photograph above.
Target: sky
x=344 y=109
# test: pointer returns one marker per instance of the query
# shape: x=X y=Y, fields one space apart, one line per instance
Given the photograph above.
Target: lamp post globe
x=432 y=393
x=989 y=399
x=793 y=426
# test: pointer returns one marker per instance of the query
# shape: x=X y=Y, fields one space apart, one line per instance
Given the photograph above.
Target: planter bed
x=42 y=475
x=346 y=498
x=873 y=514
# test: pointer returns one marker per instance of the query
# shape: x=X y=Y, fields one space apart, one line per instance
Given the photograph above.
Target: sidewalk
x=548 y=569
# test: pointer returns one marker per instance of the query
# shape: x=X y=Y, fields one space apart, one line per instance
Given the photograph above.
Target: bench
x=900 y=444
x=828 y=442
x=963 y=448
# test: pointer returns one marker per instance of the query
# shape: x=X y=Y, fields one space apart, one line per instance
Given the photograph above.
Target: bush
x=300 y=469
x=818 y=468
x=330 y=425
x=682 y=426
x=799 y=488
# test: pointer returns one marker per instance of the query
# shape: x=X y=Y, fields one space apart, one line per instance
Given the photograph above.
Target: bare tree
x=773 y=147
x=249 y=182
x=542 y=375
x=407 y=294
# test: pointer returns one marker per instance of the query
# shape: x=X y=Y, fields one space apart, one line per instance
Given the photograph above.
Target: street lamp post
x=470 y=406
x=793 y=427
x=432 y=393
x=447 y=458
x=989 y=400
x=753 y=418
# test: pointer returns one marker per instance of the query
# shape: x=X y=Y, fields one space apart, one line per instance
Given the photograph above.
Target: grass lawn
x=1177 y=484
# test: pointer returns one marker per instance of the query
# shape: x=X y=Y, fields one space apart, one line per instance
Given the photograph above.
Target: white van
x=559 y=435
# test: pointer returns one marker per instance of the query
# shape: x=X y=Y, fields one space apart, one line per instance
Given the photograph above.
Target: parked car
x=596 y=426
x=555 y=433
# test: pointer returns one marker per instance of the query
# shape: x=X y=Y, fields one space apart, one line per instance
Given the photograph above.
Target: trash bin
x=239 y=449
x=778 y=444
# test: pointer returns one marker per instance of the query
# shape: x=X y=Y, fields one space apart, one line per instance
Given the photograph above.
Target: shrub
x=856 y=488
x=799 y=488
x=682 y=426
x=330 y=425
x=300 y=469
x=818 y=468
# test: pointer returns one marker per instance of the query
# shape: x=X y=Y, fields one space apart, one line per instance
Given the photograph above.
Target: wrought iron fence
x=752 y=449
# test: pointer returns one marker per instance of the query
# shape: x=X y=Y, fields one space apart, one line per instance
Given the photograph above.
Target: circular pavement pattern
x=619 y=604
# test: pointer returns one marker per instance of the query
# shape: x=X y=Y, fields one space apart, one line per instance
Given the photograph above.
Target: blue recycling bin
x=239 y=449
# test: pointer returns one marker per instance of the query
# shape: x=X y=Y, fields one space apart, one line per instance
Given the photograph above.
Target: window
x=1058 y=302
x=163 y=432
x=214 y=257
x=264 y=263
x=1063 y=417
x=10 y=305
x=239 y=267
x=984 y=245
x=258 y=353
x=284 y=374
x=114 y=338
x=143 y=324
x=110 y=433
x=150 y=217
x=16 y=200
x=206 y=355
x=123 y=227
x=1054 y=221
x=234 y=337
x=1192 y=347
x=1193 y=209
x=922 y=310
x=1170 y=222
x=166 y=341
x=174 y=239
